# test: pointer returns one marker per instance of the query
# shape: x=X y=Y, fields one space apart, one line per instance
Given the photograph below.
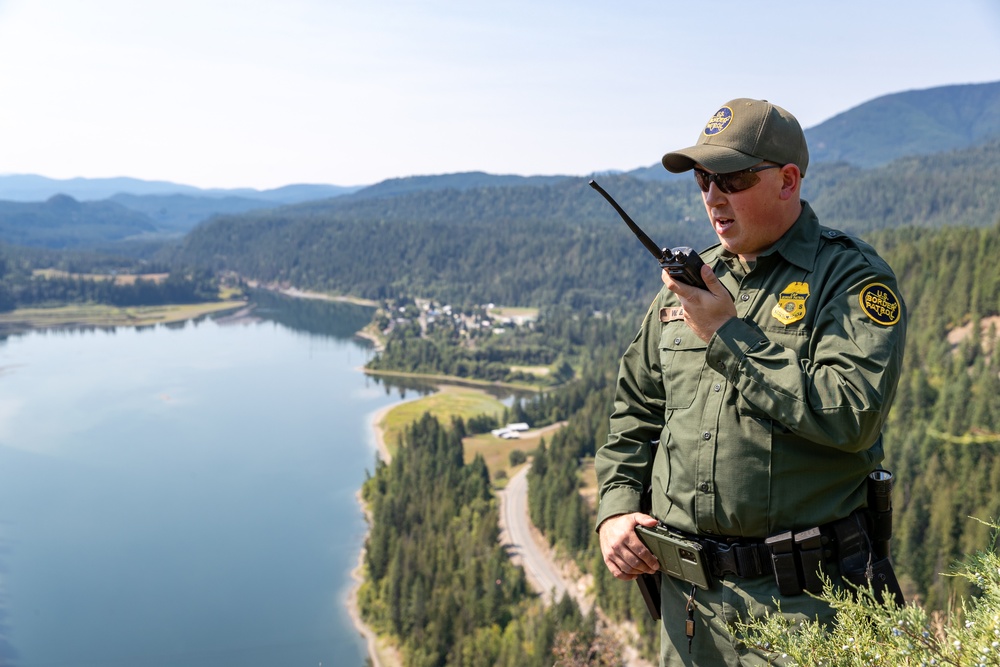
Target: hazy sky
x=264 y=93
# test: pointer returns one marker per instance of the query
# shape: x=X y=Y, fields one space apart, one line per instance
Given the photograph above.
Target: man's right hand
x=624 y=553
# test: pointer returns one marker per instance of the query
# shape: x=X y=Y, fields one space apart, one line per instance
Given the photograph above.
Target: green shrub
x=869 y=633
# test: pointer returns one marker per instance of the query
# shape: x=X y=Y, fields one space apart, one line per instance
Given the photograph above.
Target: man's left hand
x=704 y=310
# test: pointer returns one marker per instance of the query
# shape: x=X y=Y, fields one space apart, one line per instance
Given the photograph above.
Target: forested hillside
x=958 y=188
x=559 y=243
x=37 y=277
x=177 y=214
x=516 y=246
x=63 y=222
x=944 y=432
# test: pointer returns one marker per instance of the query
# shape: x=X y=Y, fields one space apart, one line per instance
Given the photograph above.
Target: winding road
x=527 y=547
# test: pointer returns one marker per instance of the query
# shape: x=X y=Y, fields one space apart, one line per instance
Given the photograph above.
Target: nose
x=714 y=196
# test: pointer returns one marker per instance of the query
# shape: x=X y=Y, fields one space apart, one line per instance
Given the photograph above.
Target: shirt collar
x=798 y=245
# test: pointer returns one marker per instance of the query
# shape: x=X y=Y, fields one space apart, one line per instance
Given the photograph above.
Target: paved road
x=528 y=548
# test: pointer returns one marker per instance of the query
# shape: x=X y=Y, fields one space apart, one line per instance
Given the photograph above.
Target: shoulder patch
x=880 y=304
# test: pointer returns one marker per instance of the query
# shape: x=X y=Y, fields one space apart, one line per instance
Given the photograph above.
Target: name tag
x=672 y=314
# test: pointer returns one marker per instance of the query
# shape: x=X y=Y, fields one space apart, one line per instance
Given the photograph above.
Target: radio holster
x=649 y=584
x=863 y=545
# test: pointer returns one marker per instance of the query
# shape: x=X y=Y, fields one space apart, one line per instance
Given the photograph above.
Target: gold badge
x=880 y=304
x=791 y=303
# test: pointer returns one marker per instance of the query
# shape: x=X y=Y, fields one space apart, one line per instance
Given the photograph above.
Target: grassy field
x=455 y=401
x=120 y=279
x=537 y=371
x=449 y=401
x=496 y=451
x=101 y=315
x=514 y=312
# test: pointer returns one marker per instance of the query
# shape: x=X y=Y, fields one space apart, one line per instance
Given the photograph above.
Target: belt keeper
x=810 y=548
x=786 y=571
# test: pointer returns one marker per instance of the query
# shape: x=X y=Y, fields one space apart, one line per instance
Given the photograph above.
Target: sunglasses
x=736 y=181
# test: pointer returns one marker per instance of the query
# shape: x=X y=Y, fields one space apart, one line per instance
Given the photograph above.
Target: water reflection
x=315 y=316
x=405 y=384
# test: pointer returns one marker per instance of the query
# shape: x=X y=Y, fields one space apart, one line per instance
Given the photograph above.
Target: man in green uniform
x=766 y=394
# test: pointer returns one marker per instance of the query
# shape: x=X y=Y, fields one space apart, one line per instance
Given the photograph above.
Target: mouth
x=722 y=225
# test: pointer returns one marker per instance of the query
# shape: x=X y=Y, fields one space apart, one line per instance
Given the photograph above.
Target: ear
x=791 y=179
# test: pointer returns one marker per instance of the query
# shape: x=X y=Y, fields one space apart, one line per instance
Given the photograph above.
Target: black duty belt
x=795 y=559
x=745 y=559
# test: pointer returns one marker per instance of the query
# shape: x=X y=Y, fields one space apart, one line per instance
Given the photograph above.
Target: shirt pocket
x=682 y=361
x=797 y=340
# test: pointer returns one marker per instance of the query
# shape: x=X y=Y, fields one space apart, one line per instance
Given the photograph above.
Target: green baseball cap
x=741 y=134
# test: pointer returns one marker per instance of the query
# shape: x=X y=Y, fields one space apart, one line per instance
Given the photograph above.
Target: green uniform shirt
x=775 y=423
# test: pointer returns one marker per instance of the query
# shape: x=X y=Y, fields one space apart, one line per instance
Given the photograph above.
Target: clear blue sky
x=264 y=93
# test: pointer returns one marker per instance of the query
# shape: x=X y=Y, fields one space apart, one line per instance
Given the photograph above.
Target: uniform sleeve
x=839 y=392
x=624 y=463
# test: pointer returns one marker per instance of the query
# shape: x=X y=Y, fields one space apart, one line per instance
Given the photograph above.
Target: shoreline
x=438 y=380
x=380 y=652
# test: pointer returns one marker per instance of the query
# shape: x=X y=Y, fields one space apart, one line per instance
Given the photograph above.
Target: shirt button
x=677 y=341
x=704 y=487
x=706 y=435
x=744 y=297
x=717 y=387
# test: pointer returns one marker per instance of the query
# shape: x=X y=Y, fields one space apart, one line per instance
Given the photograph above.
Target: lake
x=186 y=495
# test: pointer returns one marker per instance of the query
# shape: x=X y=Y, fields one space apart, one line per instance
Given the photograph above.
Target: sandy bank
x=380 y=650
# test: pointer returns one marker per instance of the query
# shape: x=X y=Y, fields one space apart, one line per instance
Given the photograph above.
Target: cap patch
x=791 y=305
x=719 y=122
x=880 y=304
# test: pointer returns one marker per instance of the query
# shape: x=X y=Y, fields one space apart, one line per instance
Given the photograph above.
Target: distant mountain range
x=29 y=187
x=873 y=134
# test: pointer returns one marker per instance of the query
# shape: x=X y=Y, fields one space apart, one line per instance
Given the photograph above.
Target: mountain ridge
x=929 y=120
x=33 y=187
